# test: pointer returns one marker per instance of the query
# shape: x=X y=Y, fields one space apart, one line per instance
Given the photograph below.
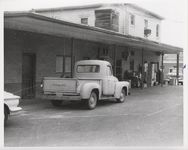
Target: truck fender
x=120 y=86
x=87 y=88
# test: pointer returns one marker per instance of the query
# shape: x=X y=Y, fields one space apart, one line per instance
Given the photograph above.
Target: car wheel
x=56 y=103
x=5 y=115
x=122 y=96
x=92 y=101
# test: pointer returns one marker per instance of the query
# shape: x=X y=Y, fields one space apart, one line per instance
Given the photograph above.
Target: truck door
x=109 y=82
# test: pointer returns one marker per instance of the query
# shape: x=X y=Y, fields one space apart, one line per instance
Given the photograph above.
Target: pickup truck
x=93 y=80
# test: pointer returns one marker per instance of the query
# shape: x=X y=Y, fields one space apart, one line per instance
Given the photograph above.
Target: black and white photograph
x=94 y=74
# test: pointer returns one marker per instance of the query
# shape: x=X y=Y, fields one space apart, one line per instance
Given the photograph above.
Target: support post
x=177 y=69
x=115 y=53
x=162 y=70
x=142 y=77
x=72 y=57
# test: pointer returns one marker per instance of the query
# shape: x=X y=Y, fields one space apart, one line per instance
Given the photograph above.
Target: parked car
x=180 y=80
x=93 y=80
x=11 y=103
x=172 y=75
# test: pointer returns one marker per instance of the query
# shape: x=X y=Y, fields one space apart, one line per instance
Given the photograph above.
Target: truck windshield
x=88 y=68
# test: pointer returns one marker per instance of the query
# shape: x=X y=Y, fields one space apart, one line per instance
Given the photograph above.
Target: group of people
x=136 y=78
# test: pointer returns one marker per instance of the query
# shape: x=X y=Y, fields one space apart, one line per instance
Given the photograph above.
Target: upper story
x=127 y=19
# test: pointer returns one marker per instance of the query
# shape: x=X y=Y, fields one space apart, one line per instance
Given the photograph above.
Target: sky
x=174 y=12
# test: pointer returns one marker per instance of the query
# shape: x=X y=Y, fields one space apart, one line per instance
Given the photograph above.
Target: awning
x=32 y=22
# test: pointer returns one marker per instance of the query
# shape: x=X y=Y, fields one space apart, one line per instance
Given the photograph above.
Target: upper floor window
x=132 y=17
x=84 y=20
x=145 y=23
x=157 y=30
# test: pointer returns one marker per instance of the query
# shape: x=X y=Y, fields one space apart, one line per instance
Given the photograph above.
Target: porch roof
x=32 y=22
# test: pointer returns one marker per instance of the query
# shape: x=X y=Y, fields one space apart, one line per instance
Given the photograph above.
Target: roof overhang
x=32 y=22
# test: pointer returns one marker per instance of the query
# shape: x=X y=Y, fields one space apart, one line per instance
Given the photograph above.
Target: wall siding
x=124 y=19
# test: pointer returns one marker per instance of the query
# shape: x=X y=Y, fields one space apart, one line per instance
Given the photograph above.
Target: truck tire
x=56 y=103
x=92 y=101
x=6 y=113
x=122 y=96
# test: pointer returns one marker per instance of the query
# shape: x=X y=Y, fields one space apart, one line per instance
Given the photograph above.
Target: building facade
x=37 y=46
x=127 y=19
x=170 y=64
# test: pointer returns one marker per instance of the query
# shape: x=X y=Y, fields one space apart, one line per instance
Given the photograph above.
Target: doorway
x=28 y=75
x=153 y=69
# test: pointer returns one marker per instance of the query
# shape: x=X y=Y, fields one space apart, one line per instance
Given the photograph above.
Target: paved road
x=150 y=117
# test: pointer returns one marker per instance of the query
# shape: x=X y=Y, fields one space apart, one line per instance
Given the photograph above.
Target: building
x=127 y=19
x=37 y=45
x=170 y=64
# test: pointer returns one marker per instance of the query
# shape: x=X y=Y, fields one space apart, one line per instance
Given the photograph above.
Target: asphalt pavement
x=149 y=117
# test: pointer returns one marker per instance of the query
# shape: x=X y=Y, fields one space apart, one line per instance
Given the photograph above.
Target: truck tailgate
x=59 y=85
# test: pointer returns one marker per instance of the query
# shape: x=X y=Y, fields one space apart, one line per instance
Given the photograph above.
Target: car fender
x=6 y=107
x=119 y=86
x=87 y=88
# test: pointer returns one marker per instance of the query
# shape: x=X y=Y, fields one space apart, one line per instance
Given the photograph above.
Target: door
x=109 y=82
x=153 y=71
x=28 y=75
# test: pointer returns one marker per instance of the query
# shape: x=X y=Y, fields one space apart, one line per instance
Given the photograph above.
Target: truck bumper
x=15 y=111
x=62 y=97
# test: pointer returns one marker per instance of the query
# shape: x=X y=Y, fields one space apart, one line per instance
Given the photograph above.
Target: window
x=157 y=30
x=67 y=64
x=63 y=64
x=59 y=63
x=105 y=51
x=132 y=64
x=132 y=53
x=145 y=24
x=84 y=20
x=88 y=68
x=132 y=19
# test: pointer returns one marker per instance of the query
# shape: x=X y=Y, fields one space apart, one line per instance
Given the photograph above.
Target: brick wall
x=47 y=47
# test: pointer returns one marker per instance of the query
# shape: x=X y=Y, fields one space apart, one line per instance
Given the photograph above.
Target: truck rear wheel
x=92 y=101
x=56 y=103
x=122 y=96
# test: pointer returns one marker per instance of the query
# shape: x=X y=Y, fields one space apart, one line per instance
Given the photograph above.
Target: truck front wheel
x=56 y=103
x=92 y=101
x=122 y=96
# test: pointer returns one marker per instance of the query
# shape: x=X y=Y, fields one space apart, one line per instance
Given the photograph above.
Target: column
x=177 y=71
x=162 y=69
x=114 y=59
x=142 y=79
x=72 y=57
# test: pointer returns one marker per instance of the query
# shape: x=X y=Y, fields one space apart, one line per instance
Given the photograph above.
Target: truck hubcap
x=122 y=96
x=92 y=101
